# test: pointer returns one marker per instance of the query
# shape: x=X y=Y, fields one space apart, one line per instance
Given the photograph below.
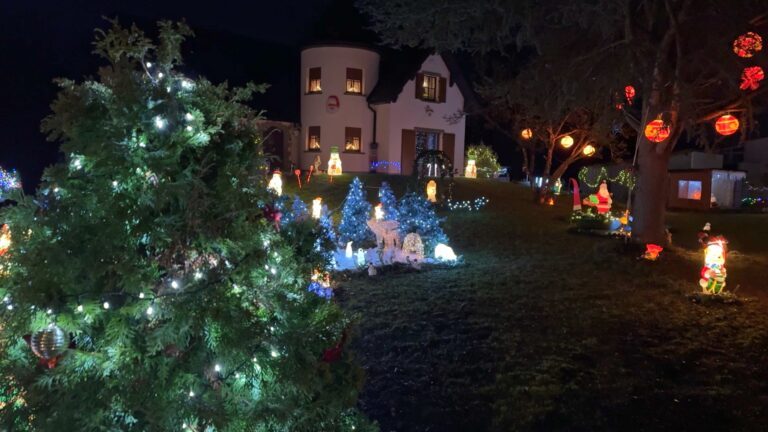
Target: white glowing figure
x=471 y=170
x=317 y=207
x=378 y=212
x=432 y=191
x=334 y=162
x=5 y=239
x=348 y=252
x=360 y=257
x=276 y=183
x=444 y=253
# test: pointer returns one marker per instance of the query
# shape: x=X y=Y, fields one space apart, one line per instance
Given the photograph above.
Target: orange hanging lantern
x=526 y=133
x=589 y=150
x=566 y=141
x=751 y=77
x=657 y=131
x=727 y=125
x=748 y=44
x=629 y=93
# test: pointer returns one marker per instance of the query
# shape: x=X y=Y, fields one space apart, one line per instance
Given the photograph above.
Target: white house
x=378 y=115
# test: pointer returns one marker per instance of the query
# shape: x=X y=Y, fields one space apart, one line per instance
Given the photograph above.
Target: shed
x=703 y=189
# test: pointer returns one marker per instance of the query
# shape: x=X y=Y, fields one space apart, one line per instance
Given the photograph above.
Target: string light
x=174 y=284
x=198 y=275
x=471 y=205
x=217 y=367
x=105 y=305
x=160 y=122
x=189 y=117
x=141 y=295
x=150 y=310
x=624 y=178
x=80 y=308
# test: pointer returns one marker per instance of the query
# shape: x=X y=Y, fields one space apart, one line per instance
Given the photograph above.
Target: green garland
x=624 y=178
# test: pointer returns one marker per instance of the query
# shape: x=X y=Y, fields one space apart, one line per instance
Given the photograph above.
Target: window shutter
x=441 y=91
x=419 y=85
x=449 y=146
x=407 y=151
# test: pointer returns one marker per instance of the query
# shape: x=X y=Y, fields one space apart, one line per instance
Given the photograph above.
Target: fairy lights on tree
x=354 y=215
x=156 y=289
x=417 y=215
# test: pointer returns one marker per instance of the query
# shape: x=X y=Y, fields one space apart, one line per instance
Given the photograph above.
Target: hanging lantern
x=629 y=93
x=276 y=183
x=526 y=133
x=748 y=44
x=5 y=239
x=49 y=343
x=589 y=150
x=751 y=77
x=334 y=162
x=566 y=141
x=317 y=208
x=657 y=131
x=431 y=191
x=727 y=125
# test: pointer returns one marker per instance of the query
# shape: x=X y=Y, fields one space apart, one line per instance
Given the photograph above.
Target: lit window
x=352 y=139
x=354 y=81
x=689 y=189
x=313 y=138
x=314 y=80
x=429 y=88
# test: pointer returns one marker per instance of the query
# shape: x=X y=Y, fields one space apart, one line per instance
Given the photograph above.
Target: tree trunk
x=651 y=193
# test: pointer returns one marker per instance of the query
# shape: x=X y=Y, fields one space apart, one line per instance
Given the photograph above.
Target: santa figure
x=602 y=199
x=713 y=273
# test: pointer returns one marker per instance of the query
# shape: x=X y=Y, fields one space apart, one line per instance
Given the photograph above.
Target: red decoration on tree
x=333 y=354
x=657 y=131
x=727 y=125
x=273 y=215
x=748 y=44
x=751 y=77
x=629 y=92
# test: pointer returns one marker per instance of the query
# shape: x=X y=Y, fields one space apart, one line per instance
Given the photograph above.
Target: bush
x=486 y=160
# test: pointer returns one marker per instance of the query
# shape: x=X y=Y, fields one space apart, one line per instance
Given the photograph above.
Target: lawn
x=541 y=329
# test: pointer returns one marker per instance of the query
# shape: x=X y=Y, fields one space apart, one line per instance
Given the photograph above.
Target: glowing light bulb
x=191 y=393
x=149 y=64
x=115 y=183
x=9 y=307
x=189 y=128
x=79 y=308
x=175 y=284
x=217 y=367
x=273 y=270
x=189 y=117
x=141 y=295
x=142 y=144
x=105 y=305
x=274 y=353
x=49 y=311
x=198 y=275
x=186 y=84
x=150 y=310
x=160 y=75
x=237 y=375
x=160 y=122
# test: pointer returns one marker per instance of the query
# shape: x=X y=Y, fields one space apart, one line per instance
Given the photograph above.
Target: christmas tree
x=416 y=214
x=147 y=286
x=296 y=212
x=388 y=201
x=355 y=215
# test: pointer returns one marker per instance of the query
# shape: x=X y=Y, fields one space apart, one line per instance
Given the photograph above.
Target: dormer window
x=354 y=81
x=314 y=80
x=429 y=88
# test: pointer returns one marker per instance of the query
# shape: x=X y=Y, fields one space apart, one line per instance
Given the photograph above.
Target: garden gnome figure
x=713 y=273
x=317 y=163
x=371 y=269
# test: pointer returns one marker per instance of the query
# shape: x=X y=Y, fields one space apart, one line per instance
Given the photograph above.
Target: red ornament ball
x=748 y=44
x=751 y=78
x=727 y=125
x=657 y=131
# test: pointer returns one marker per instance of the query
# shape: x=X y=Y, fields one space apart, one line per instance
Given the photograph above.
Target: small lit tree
x=354 y=215
x=388 y=201
x=485 y=158
x=416 y=214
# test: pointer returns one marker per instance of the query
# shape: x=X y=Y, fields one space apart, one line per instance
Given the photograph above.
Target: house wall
x=756 y=161
x=703 y=203
x=695 y=160
x=353 y=109
x=408 y=112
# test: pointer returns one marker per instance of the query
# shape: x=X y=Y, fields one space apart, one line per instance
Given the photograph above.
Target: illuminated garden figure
x=601 y=200
x=713 y=273
x=5 y=239
x=652 y=252
x=317 y=208
x=334 y=162
x=471 y=170
x=557 y=187
x=432 y=191
x=276 y=183
x=413 y=246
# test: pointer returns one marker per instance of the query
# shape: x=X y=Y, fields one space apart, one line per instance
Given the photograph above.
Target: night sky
x=236 y=41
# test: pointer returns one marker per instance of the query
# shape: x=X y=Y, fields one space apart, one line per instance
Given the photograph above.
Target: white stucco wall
x=408 y=112
x=353 y=109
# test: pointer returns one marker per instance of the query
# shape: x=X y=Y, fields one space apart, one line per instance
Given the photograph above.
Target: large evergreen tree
x=388 y=201
x=153 y=248
x=355 y=215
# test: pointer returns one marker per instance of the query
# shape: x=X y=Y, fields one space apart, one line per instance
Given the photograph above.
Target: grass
x=545 y=330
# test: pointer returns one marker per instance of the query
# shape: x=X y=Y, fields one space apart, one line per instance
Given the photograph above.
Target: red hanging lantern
x=727 y=125
x=629 y=92
x=751 y=77
x=748 y=44
x=657 y=131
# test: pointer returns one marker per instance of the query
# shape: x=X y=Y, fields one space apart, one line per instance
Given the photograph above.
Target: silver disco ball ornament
x=49 y=343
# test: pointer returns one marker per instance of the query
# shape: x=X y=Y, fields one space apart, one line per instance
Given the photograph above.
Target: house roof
x=397 y=67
